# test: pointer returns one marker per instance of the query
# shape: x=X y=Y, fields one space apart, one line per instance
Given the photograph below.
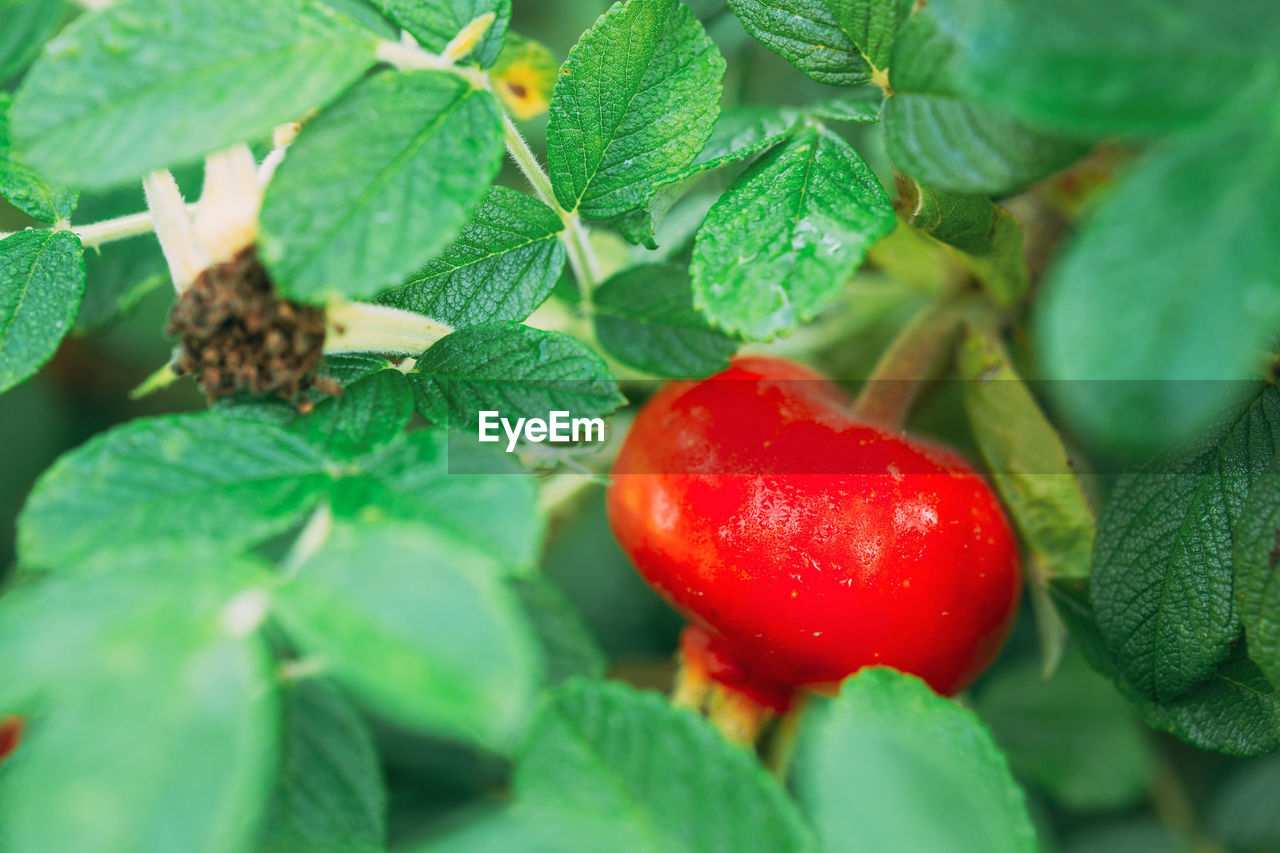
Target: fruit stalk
x=888 y=393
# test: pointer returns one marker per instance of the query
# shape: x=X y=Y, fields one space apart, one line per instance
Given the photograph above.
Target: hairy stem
x=586 y=269
x=97 y=234
x=361 y=327
x=109 y=230
x=524 y=157
x=582 y=259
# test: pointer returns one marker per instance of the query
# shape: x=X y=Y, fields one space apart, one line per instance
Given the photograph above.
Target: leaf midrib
x=120 y=102
x=379 y=181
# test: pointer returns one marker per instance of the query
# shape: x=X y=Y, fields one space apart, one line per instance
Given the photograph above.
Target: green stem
x=1172 y=805
x=524 y=157
x=133 y=225
x=577 y=244
x=887 y=395
x=582 y=259
x=96 y=234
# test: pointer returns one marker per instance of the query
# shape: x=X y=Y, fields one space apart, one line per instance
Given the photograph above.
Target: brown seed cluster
x=237 y=336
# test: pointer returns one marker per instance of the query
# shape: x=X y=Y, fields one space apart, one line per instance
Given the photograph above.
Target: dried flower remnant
x=236 y=335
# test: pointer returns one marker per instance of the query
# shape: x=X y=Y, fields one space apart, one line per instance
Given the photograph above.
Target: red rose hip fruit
x=802 y=544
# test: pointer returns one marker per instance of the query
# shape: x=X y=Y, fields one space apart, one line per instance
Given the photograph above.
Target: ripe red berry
x=10 y=734
x=803 y=544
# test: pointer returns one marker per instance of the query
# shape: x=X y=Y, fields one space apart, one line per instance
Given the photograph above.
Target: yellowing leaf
x=524 y=75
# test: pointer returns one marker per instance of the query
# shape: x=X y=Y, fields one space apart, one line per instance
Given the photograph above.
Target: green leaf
x=378 y=184
x=199 y=479
x=41 y=282
x=936 y=135
x=118 y=278
x=153 y=83
x=871 y=25
x=1235 y=710
x=24 y=27
x=364 y=13
x=987 y=238
x=513 y=369
x=343 y=368
x=1034 y=476
x=567 y=643
x=605 y=766
x=230 y=482
x=1243 y=814
x=368 y=414
x=21 y=186
x=1175 y=278
x=1162 y=577
x=1073 y=736
x=412 y=479
x=1129 y=835
x=963 y=221
x=635 y=101
x=503 y=265
x=861 y=106
x=1102 y=67
x=434 y=23
x=889 y=765
x=779 y=245
x=585 y=560
x=420 y=626
x=807 y=34
x=1027 y=460
x=347 y=368
x=1257 y=579
x=152 y=712
x=739 y=132
x=330 y=794
x=645 y=317
x=1000 y=265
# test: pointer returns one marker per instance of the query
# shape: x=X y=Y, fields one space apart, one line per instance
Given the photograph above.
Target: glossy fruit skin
x=803 y=545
